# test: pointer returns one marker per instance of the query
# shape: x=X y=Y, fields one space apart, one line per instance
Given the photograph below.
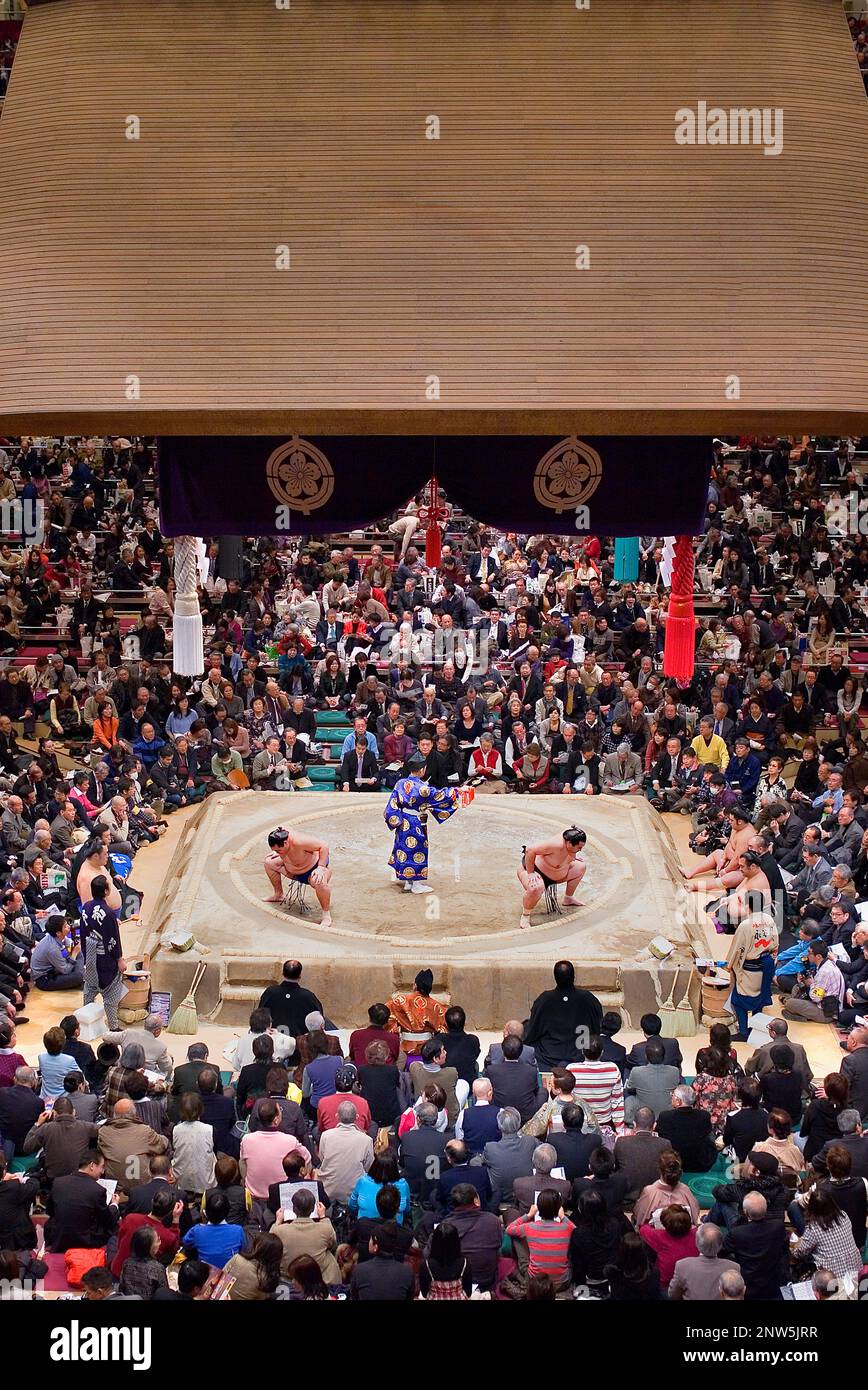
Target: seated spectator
x=599 y=1089
x=651 y=1083
x=20 y=1108
x=163 y=1218
x=514 y=1083
x=637 y=1153
x=462 y=1048
x=828 y=1237
x=256 y=1272
x=345 y=1082
x=509 y=1158
x=227 y=1179
x=748 y=1124
x=541 y=1241
x=820 y=1119
x=477 y=1125
x=263 y=1152
x=54 y=1063
x=633 y=1275
x=603 y=1177
x=193 y=1148
x=345 y=1154
x=377 y=1031
x=688 y=1131
x=215 y=1240
x=127 y=1145
x=383 y=1171
x=383 y=1278
x=379 y=1084
x=780 y=1143
x=526 y=1190
x=433 y=1067
x=668 y=1190
x=715 y=1089
x=142 y=1272
x=672 y=1237
x=782 y=1086
x=651 y=1026
x=308 y=1232
x=79 y=1217
x=594 y=1242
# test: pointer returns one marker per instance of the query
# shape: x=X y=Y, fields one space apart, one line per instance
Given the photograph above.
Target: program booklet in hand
x=288 y=1191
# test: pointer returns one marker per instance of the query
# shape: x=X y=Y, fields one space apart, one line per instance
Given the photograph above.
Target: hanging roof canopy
x=412 y=258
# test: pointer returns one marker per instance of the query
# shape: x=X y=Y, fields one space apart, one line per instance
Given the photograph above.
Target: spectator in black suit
x=20 y=1108
x=186 y=1076
x=328 y=632
x=510 y=1158
x=218 y=1111
x=782 y=1086
x=788 y=829
x=855 y=1068
x=141 y=1198
x=748 y=1125
x=612 y=1051
x=360 y=771
x=385 y=1277
x=462 y=1048
x=664 y=774
x=513 y=1081
x=604 y=1177
x=571 y=1145
x=17 y=1231
x=638 y=1154
x=760 y=1249
x=853 y=1140
x=388 y=1200
x=459 y=1170
x=422 y=1151
x=652 y=1028
x=81 y=1051
x=289 y=1002
x=79 y=1217
x=558 y=1014
x=688 y=1131
x=495 y=1051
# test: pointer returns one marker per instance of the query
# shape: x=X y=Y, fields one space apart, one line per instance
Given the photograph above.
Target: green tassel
x=626 y=560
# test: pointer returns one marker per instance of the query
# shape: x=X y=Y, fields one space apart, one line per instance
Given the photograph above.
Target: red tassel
x=433 y=544
x=680 y=644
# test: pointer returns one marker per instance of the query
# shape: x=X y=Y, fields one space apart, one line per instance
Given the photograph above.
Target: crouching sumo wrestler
x=301 y=859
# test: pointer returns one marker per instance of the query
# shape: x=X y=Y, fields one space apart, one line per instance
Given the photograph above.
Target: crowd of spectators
x=316 y=1169
x=518 y=665
x=8 y=45
x=859 y=29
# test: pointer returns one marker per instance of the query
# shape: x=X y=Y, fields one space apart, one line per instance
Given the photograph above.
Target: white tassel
x=667 y=560
x=188 y=648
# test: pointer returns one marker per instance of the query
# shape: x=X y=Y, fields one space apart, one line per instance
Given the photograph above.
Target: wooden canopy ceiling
x=413 y=258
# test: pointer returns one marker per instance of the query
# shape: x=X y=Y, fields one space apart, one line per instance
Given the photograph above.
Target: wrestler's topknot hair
x=574 y=836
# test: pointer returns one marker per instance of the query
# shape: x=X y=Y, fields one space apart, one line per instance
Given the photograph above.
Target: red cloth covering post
x=680 y=645
x=431 y=517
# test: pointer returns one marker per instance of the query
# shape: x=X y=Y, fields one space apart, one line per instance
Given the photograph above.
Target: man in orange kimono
x=415 y=1015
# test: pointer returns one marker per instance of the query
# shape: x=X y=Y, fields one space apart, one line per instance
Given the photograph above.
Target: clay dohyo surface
x=628 y=894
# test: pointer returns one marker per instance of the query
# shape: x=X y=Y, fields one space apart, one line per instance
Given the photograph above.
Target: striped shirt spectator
x=546 y=1232
x=599 y=1086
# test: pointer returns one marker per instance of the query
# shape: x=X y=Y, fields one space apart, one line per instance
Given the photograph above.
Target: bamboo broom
x=683 y=1020
x=185 y=1019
